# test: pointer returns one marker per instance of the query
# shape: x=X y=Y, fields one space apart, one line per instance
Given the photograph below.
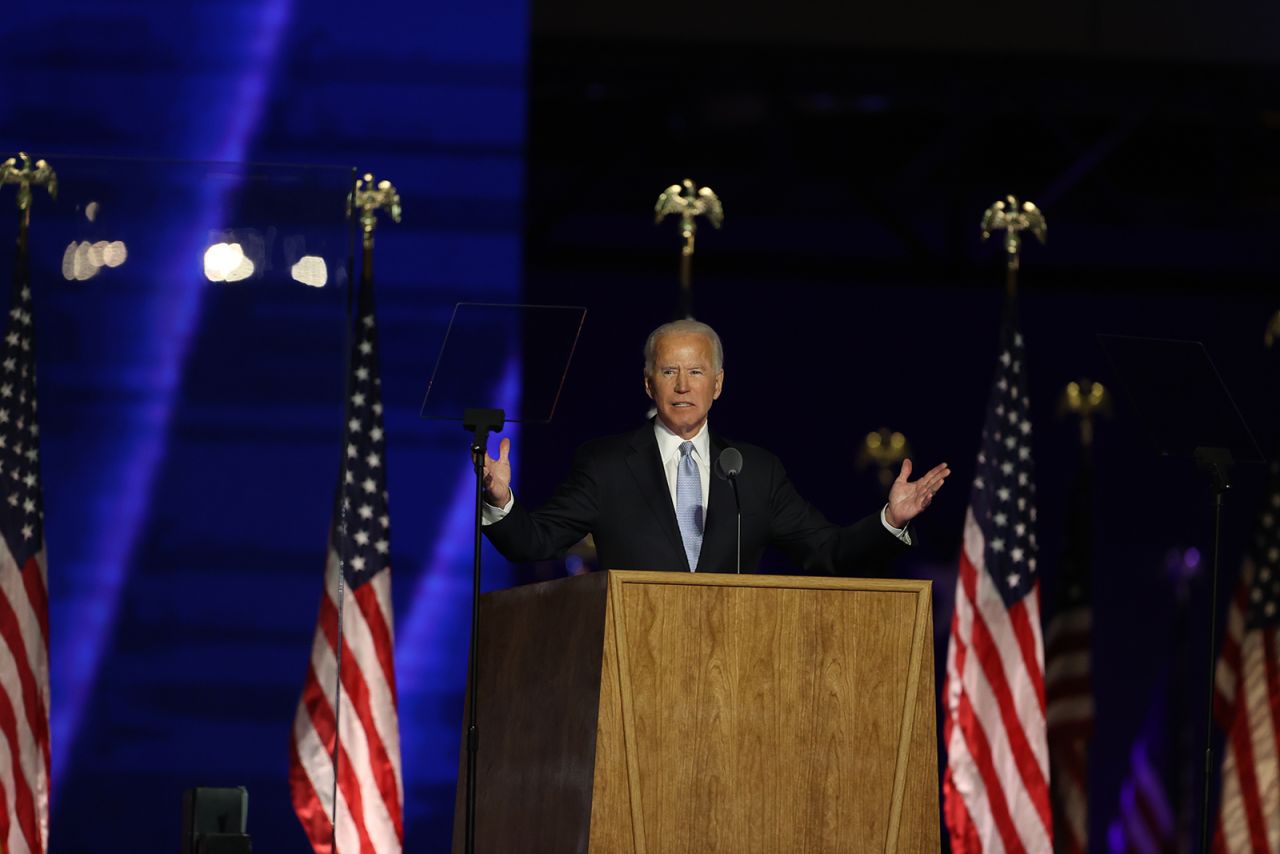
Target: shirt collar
x=669 y=443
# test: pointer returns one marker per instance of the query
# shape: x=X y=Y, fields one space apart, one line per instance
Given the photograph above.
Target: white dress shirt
x=669 y=452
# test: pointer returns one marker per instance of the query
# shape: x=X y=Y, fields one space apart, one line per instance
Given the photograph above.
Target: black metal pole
x=481 y=422
x=473 y=734
x=737 y=501
x=1216 y=463
x=685 y=308
x=365 y=281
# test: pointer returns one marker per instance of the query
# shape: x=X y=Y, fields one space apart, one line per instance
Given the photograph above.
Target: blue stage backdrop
x=193 y=428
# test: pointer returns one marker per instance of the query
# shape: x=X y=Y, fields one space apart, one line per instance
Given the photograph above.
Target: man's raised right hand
x=497 y=476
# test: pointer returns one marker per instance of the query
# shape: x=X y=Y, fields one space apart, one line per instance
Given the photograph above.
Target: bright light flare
x=82 y=261
x=69 y=261
x=226 y=262
x=115 y=253
x=310 y=271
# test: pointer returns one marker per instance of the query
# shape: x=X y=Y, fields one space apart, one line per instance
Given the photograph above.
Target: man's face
x=684 y=381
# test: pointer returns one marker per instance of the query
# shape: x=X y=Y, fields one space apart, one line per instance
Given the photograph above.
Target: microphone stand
x=481 y=422
x=737 y=500
x=729 y=465
x=1216 y=463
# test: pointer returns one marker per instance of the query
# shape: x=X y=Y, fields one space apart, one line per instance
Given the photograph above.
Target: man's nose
x=682 y=381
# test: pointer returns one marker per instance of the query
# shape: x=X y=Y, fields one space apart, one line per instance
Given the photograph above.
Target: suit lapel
x=720 y=533
x=646 y=468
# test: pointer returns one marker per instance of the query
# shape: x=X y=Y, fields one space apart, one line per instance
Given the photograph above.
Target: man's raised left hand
x=907 y=498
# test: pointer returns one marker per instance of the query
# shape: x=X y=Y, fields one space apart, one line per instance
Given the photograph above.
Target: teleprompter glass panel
x=1179 y=397
x=488 y=345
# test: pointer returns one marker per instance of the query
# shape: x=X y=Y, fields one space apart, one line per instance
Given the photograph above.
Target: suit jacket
x=617 y=491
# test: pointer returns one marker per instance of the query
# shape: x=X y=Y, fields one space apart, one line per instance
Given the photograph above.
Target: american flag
x=1068 y=689
x=1248 y=697
x=996 y=787
x=24 y=608
x=1147 y=823
x=1227 y=672
x=370 y=793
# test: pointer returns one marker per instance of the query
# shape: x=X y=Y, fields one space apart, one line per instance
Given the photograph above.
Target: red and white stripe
x=1070 y=781
x=1069 y=718
x=1249 y=815
x=997 y=780
x=1066 y=680
x=1227 y=672
x=370 y=787
x=1146 y=824
x=24 y=704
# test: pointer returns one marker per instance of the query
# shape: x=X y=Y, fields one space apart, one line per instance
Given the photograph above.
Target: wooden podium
x=676 y=712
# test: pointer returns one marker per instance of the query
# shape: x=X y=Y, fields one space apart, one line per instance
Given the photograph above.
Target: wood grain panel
x=766 y=715
x=612 y=828
x=539 y=686
x=918 y=830
x=661 y=712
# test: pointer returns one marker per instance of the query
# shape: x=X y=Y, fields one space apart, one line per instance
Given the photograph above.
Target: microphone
x=730 y=462
x=730 y=465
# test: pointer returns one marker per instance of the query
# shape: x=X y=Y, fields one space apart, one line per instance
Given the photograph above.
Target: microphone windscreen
x=731 y=462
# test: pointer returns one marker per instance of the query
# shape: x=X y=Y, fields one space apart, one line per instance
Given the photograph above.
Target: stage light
x=220 y=259
x=1183 y=564
x=85 y=268
x=311 y=271
x=91 y=211
x=69 y=262
x=83 y=261
x=242 y=271
x=226 y=262
x=115 y=253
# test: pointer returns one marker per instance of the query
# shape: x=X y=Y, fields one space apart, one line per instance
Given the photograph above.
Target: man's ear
x=715 y=395
x=648 y=387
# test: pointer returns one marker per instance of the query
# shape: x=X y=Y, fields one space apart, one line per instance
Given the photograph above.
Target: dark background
x=191 y=431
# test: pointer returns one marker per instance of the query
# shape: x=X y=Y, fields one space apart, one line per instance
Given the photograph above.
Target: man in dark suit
x=654 y=498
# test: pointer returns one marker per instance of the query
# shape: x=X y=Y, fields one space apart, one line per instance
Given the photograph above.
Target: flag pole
x=366 y=199
x=688 y=201
x=1013 y=217
x=883 y=448
x=998 y=603
x=26 y=176
x=1272 y=334
x=1069 y=705
x=22 y=523
x=1086 y=399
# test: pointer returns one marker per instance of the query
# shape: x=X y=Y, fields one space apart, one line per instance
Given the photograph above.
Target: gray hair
x=676 y=327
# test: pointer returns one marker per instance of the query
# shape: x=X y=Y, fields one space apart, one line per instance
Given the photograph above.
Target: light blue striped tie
x=689 y=512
